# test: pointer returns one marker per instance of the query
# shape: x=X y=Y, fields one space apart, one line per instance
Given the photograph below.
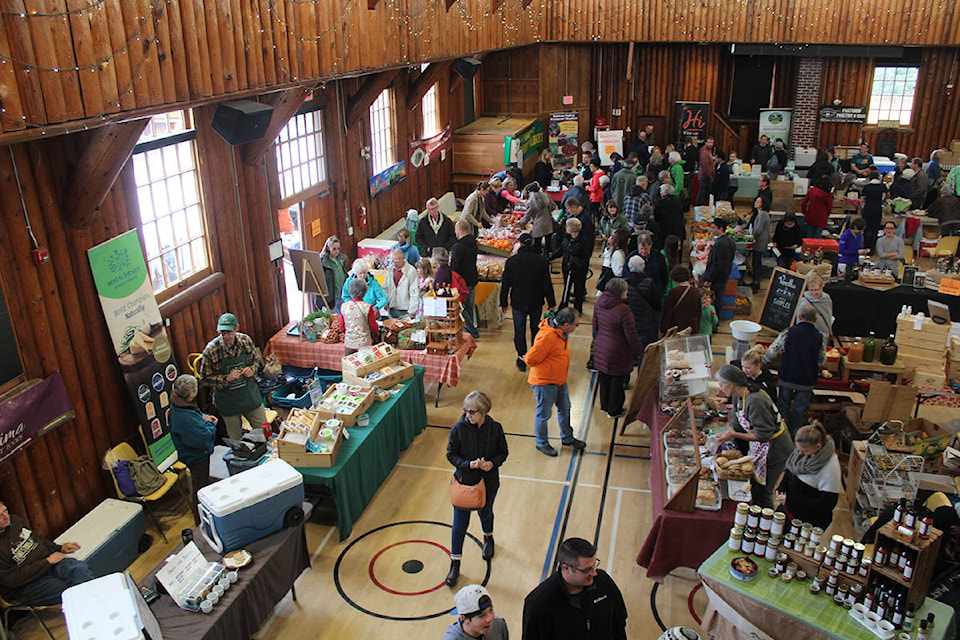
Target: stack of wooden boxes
x=378 y=365
x=922 y=350
x=444 y=332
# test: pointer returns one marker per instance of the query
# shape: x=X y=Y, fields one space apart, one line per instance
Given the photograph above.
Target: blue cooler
x=250 y=505
x=109 y=536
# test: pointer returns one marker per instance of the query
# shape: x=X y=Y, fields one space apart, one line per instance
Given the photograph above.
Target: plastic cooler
x=102 y=608
x=250 y=505
x=109 y=536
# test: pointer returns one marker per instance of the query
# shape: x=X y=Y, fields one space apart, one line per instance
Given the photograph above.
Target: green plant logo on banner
x=118 y=266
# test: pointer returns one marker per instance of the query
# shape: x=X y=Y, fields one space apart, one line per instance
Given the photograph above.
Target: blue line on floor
x=567 y=494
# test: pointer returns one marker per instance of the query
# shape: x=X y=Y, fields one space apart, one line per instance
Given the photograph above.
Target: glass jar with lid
x=855 y=351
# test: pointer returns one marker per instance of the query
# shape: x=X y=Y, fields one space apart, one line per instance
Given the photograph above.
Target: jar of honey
x=855 y=351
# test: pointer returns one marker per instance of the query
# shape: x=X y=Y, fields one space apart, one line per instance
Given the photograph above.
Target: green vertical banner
x=136 y=331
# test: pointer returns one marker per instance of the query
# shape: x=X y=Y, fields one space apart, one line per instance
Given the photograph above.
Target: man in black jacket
x=463 y=260
x=576 y=248
x=434 y=229
x=720 y=262
x=798 y=357
x=645 y=302
x=526 y=283
x=579 y=601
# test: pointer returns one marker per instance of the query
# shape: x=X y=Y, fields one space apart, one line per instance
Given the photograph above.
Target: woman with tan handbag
x=476 y=449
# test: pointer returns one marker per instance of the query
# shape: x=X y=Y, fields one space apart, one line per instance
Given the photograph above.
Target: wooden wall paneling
x=31 y=494
x=10 y=92
x=171 y=73
x=228 y=53
x=121 y=65
x=175 y=49
x=195 y=51
x=144 y=24
x=214 y=46
x=42 y=56
x=86 y=53
x=29 y=83
x=242 y=77
x=253 y=44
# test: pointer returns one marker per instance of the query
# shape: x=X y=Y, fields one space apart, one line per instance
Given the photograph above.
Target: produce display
x=503 y=234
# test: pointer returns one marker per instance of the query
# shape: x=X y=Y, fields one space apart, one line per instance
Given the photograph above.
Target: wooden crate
x=933 y=336
x=348 y=366
x=389 y=375
x=349 y=419
x=297 y=455
x=927 y=550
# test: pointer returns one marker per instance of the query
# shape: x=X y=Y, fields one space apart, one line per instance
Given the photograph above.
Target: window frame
x=16 y=381
x=389 y=151
x=318 y=187
x=189 y=135
x=431 y=98
x=886 y=67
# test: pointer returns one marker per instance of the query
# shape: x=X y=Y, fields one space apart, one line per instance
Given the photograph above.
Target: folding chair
x=124 y=451
x=9 y=606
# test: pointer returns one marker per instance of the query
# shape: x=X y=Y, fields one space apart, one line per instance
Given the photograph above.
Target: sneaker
x=576 y=444
x=618 y=414
x=547 y=450
x=521 y=365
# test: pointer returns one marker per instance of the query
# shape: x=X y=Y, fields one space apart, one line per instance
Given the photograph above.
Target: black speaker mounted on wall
x=241 y=121
x=466 y=67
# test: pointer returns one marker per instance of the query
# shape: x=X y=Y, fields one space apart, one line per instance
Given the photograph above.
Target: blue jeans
x=520 y=321
x=46 y=589
x=548 y=395
x=470 y=313
x=461 y=520
x=815 y=232
x=793 y=404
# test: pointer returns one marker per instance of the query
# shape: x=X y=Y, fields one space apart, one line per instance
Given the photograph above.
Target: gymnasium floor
x=601 y=495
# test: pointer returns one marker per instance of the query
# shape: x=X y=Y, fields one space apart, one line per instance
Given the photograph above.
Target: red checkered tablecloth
x=300 y=353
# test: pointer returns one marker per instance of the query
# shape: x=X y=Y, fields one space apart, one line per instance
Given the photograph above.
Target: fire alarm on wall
x=41 y=255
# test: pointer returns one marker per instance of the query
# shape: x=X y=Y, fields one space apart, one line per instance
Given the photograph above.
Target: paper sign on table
x=435 y=307
x=949 y=286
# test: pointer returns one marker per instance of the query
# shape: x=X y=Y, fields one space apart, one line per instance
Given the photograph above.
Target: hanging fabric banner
x=691 y=118
x=775 y=124
x=136 y=329
x=31 y=413
x=432 y=149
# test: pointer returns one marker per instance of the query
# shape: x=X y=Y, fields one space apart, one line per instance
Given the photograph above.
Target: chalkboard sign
x=783 y=296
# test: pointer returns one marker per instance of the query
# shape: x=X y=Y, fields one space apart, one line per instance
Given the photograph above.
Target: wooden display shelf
x=897 y=368
x=817 y=568
x=927 y=550
x=685 y=499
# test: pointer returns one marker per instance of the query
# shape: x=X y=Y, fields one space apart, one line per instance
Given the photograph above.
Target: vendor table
x=556 y=196
x=765 y=608
x=487 y=301
x=859 y=310
x=369 y=455
x=896 y=369
x=278 y=560
x=300 y=353
x=676 y=538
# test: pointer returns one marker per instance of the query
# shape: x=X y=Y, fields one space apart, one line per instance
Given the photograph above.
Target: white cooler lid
x=249 y=487
x=98 y=526
x=101 y=608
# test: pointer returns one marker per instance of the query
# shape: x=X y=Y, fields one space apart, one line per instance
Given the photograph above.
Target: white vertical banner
x=775 y=124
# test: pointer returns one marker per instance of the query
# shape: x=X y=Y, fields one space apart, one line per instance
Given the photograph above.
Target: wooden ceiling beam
x=285 y=105
x=108 y=150
x=419 y=87
x=371 y=88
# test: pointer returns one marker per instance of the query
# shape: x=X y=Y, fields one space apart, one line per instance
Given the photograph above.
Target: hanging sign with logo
x=775 y=124
x=564 y=138
x=136 y=329
x=432 y=149
x=843 y=115
x=32 y=412
x=692 y=118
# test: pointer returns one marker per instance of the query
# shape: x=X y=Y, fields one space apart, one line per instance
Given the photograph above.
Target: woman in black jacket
x=476 y=449
x=645 y=302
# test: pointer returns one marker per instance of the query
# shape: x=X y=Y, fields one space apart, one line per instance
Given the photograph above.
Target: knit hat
x=471 y=599
x=730 y=374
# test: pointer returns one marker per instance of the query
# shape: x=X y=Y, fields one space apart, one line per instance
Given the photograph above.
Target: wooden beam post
x=285 y=106
x=429 y=77
x=108 y=150
x=360 y=101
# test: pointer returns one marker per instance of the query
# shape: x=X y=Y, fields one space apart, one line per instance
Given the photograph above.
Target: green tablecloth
x=367 y=458
x=791 y=611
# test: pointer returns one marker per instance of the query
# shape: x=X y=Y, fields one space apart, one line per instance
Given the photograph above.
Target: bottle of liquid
x=908 y=569
x=897 y=618
x=922 y=633
x=888 y=352
x=880 y=555
x=900 y=511
x=855 y=351
x=870 y=347
x=908 y=618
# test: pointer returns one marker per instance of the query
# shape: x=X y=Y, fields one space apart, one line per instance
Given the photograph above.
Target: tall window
x=381 y=132
x=171 y=212
x=300 y=155
x=428 y=104
x=891 y=97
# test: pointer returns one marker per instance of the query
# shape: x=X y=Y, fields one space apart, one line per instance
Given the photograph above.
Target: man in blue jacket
x=801 y=354
x=579 y=601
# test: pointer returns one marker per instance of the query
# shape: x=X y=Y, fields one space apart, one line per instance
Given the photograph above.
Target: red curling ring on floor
x=373 y=561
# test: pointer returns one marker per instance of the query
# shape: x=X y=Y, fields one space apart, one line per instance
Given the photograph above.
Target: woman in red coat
x=595 y=189
x=816 y=207
x=617 y=345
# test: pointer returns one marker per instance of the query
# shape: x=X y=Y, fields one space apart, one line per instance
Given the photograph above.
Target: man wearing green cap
x=230 y=364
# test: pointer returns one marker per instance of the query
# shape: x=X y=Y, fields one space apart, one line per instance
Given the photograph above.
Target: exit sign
x=567 y=100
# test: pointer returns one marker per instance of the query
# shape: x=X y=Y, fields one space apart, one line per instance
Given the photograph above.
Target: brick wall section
x=806 y=102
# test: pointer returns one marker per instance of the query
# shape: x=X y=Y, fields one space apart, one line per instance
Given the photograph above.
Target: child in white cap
x=476 y=618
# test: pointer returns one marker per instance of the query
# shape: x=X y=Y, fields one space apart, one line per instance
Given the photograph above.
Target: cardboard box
x=297 y=455
x=385 y=377
x=889 y=402
x=350 y=364
x=928 y=439
x=349 y=419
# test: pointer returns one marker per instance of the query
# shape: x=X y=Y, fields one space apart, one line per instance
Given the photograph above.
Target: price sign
x=783 y=297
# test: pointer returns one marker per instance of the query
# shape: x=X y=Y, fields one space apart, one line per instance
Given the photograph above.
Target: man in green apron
x=230 y=364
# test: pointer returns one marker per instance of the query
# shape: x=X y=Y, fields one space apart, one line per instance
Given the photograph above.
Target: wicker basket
x=405 y=340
